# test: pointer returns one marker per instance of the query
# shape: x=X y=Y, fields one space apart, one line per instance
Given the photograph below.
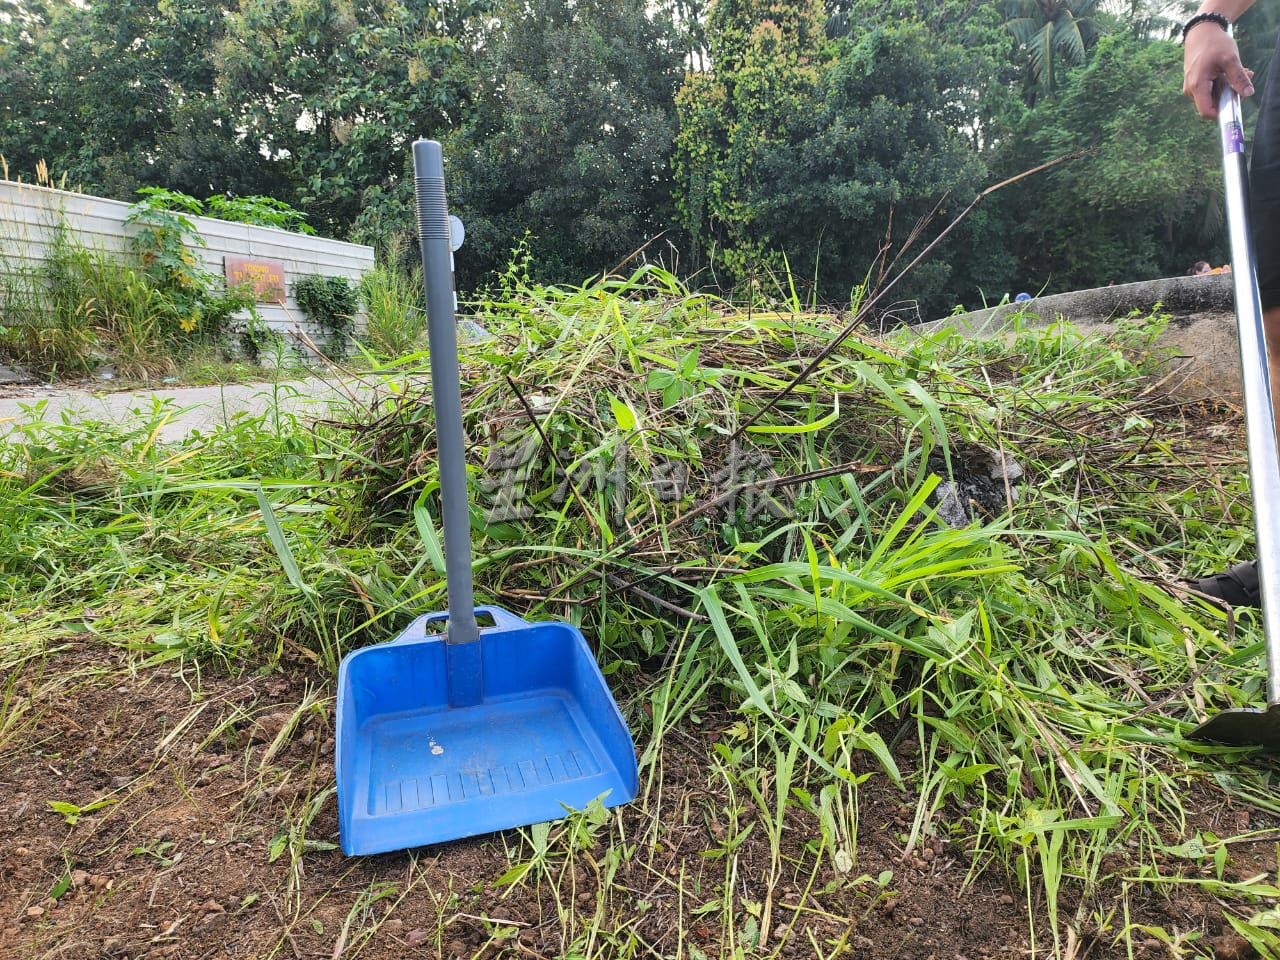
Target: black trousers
x=1264 y=187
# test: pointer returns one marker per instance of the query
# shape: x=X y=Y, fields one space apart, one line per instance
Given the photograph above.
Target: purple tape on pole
x=1233 y=137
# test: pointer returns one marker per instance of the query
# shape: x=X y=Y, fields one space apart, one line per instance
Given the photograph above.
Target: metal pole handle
x=446 y=389
x=1264 y=457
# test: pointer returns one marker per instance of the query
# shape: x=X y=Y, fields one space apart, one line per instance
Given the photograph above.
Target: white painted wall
x=29 y=213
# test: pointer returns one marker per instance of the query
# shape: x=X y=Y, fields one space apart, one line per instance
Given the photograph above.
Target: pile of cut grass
x=637 y=470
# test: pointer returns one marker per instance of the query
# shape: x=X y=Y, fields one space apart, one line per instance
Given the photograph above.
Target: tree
x=120 y=95
x=1143 y=203
x=813 y=156
x=336 y=90
x=1150 y=19
x=1050 y=31
x=25 y=107
x=884 y=148
x=689 y=28
x=977 y=27
x=768 y=57
x=568 y=138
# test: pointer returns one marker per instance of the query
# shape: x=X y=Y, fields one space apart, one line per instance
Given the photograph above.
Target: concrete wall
x=1201 y=333
x=28 y=215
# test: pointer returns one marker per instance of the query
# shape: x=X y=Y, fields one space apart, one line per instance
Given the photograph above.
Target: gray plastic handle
x=446 y=390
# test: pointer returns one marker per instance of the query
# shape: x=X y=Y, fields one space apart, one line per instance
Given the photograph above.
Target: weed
x=538 y=837
x=394 y=320
x=197 y=306
x=361 y=922
x=72 y=813
x=1261 y=930
x=157 y=849
x=292 y=838
x=263 y=211
x=1026 y=679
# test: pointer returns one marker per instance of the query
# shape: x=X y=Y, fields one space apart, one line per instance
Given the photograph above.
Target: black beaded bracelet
x=1217 y=18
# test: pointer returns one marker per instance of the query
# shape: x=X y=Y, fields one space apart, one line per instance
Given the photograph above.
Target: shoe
x=1236 y=587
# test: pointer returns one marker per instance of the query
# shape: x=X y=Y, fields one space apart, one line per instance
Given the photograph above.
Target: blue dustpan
x=476 y=730
x=412 y=768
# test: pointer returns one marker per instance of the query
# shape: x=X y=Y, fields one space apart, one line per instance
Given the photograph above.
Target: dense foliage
x=754 y=137
x=568 y=136
x=1146 y=188
x=331 y=304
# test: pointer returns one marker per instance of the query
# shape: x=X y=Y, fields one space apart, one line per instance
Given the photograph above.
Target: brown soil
x=205 y=851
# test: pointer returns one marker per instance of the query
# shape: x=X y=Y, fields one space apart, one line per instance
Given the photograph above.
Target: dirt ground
x=217 y=828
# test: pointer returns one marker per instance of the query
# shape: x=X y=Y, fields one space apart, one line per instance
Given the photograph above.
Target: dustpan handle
x=502 y=619
x=1260 y=425
x=446 y=389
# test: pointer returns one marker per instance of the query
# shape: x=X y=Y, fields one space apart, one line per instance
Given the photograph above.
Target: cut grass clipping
x=970 y=548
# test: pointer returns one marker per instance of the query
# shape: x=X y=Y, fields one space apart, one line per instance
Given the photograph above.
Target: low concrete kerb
x=184 y=409
x=1201 y=335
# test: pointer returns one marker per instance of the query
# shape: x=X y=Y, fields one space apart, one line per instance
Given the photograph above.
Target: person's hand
x=1209 y=56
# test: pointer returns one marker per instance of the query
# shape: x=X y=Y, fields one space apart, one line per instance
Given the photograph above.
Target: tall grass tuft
x=79 y=306
x=396 y=325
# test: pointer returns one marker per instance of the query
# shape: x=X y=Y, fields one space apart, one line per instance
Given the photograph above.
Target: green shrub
x=330 y=303
x=29 y=331
x=260 y=211
x=82 y=305
x=200 y=309
x=77 y=307
x=255 y=339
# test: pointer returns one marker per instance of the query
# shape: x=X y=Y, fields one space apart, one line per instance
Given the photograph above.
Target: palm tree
x=1052 y=31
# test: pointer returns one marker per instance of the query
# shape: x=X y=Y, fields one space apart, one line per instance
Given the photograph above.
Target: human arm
x=1209 y=54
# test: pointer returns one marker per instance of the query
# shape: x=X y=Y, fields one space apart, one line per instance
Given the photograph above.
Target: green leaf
x=68 y=810
x=624 y=415
x=426 y=527
x=62 y=886
x=514 y=874
x=275 y=533
x=72 y=813
x=970 y=774
x=1193 y=849
x=279 y=843
x=792 y=430
x=688 y=363
x=729 y=644
x=848 y=732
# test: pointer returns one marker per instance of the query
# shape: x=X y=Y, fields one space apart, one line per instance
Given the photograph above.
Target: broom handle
x=446 y=390
x=1260 y=425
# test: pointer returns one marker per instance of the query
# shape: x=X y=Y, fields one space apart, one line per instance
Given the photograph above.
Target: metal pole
x=1264 y=455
